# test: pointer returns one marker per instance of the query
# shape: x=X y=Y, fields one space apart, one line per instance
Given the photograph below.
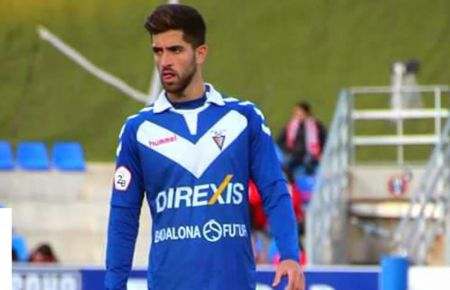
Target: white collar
x=212 y=96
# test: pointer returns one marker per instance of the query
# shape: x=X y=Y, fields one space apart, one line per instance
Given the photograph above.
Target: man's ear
x=201 y=53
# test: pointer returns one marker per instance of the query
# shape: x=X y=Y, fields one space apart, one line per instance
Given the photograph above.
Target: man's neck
x=195 y=90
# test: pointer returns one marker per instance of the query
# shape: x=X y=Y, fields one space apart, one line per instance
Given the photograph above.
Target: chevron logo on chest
x=194 y=157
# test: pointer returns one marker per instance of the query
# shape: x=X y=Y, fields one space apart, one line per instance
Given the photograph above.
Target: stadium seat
x=305 y=184
x=69 y=156
x=6 y=156
x=32 y=156
x=20 y=246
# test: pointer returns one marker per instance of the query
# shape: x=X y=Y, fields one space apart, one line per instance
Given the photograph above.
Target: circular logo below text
x=212 y=231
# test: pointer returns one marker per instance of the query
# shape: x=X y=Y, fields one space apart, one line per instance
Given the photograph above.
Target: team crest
x=219 y=138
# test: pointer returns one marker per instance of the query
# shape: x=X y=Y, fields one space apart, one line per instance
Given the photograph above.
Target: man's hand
x=290 y=268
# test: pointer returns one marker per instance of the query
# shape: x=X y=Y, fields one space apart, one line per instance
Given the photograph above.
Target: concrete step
x=69 y=211
x=391 y=208
x=78 y=243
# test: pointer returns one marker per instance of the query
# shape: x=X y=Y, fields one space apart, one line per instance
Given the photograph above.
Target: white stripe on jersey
x=230 y=99
x=194 y=157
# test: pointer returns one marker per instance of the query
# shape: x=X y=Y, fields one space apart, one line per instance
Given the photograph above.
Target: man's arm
x=122 y=232
x=267 y=174
x=126 y=201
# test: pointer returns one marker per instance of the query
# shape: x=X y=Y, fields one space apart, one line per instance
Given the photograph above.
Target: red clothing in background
x=258 y=216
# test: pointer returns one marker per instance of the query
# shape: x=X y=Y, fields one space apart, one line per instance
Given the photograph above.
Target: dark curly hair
x=178 y=17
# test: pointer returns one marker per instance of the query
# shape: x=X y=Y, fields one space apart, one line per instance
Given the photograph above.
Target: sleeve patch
x=122 y=178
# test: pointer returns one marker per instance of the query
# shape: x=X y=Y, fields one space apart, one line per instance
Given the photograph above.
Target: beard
x=184 y=79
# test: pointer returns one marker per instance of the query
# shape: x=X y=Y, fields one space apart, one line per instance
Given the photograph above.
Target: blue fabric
x=33 y=156
x=189 y=104
x=196 y=186
x=122 y=233
x=69 y=156
x=6 y=156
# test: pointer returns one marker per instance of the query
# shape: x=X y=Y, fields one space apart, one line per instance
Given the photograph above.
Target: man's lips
x=168 y=76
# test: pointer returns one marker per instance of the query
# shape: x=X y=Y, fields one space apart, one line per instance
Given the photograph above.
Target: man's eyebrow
x=171 y=48
x=174 y=47
x=156 y=48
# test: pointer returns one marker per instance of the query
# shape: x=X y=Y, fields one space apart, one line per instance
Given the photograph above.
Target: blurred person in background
x=43 y=254
x=302 y=141
x=261 y=232
x=405 y=90
x=193 y=153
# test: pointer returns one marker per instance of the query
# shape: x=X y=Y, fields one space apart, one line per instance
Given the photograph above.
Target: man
x=302 y=140
x=193 y=152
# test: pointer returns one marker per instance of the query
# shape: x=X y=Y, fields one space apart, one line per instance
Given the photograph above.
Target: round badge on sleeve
x=122 y=178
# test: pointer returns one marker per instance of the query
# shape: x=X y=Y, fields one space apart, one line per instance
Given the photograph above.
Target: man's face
x=298 y=113
x=177 y=61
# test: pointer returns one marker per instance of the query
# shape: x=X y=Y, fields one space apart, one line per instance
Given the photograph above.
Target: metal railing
x=327 y=212
x=430 y=206
x=327 y=215
x=398 y=116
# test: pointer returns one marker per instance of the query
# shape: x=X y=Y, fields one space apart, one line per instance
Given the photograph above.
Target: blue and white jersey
x=194 y=165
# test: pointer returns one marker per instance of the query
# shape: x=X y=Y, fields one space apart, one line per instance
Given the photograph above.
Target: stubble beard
x=178 y=88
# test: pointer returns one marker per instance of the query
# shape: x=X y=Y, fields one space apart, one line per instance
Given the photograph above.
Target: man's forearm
x=122 y=232
x=284 y=228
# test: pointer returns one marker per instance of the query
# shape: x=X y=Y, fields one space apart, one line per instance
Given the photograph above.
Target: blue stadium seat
x=69 y=156
x=305 y=184
x=33 y=156
x=6 y=156
x=20 y=246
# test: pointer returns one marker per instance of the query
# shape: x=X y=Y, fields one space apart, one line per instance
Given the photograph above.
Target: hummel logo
x=163 y=141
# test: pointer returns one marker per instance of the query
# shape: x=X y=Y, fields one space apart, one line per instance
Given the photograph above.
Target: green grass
x=274 y=53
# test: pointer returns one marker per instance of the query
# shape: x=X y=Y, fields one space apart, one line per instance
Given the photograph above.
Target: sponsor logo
x=200 y=195
x=45 y=280
x=212 y=231
x=162 y=141
x=122 y=178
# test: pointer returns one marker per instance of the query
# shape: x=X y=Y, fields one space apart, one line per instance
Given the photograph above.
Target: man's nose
x=165 y=60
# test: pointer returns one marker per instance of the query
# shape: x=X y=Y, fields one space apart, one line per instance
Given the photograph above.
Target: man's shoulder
x=139 y=117
x=239 y=104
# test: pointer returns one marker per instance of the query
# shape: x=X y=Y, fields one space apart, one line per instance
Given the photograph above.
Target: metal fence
x=398 y=115
x=430 y=206
x=327 y=212
x=327 y=215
